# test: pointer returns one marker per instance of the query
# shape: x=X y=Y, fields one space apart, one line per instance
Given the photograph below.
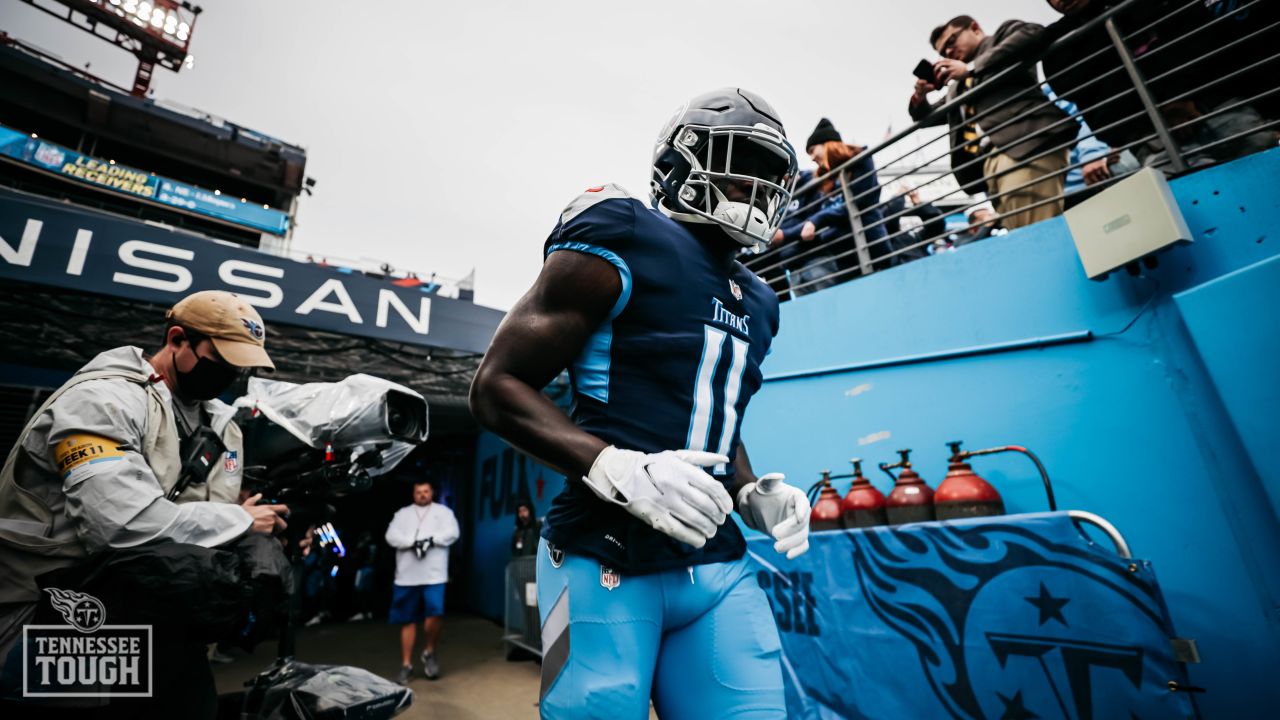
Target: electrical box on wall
x=1135 y=218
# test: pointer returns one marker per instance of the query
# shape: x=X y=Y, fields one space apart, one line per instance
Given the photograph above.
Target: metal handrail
x=995 y=79
x=960 y=190
x=1065 y=40
x=844 y=175
x=1143 y=140
x=1047 y=83
x=928 y=241
x=1190 y=93
x=947 y=134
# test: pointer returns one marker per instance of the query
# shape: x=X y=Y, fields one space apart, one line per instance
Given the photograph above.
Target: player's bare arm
x=538 y=339
x=743 y=474
x=545 y=331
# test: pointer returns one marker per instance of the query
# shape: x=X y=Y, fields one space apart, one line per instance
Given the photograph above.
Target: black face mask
x=206 y=381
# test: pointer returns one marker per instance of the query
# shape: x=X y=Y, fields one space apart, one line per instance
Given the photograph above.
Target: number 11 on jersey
x=706 y=411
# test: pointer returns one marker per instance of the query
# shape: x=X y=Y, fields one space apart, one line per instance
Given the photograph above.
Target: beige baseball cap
x=232 y=324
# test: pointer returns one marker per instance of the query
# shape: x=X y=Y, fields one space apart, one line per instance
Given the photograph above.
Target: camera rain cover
x=328 y=692
x=354 y=414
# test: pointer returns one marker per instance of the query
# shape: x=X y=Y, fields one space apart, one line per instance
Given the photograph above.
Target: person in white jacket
x=421 y=534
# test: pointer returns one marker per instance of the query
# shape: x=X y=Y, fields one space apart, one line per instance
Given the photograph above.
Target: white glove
x=780 y=510
x=667 y=490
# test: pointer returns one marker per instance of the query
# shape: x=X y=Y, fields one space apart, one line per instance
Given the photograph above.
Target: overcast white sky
x=447 y=136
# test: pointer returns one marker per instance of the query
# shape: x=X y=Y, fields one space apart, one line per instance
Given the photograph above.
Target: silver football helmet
x=724 y=158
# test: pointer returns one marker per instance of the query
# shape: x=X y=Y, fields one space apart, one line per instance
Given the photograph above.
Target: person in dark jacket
x=1005 y=118
x=524 y=539
x=1194 y=58
x=819 y=217
x=807 y=263
x=524 y=544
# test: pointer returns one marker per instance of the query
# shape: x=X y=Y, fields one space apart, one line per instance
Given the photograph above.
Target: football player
x=644 y=589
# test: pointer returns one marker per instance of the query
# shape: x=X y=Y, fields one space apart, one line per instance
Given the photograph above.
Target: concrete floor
x=476 y=682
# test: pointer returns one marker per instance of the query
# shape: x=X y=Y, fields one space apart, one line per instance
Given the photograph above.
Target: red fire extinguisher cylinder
x=911 y=499
x=825 y=514
x=963 y=493
x=864 y=506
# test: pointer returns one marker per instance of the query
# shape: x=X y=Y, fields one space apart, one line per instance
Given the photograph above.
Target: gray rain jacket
x=90 y=472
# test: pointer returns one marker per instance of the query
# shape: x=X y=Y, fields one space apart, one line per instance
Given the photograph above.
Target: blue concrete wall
x=1240 y=351
x=1142 y=426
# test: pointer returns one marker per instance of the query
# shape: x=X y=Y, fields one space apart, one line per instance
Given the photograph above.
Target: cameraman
x=98 y=466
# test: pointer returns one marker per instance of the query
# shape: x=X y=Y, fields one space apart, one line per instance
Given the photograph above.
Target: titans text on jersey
x=673 y=366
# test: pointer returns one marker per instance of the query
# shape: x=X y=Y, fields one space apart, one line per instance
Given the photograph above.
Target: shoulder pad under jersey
x=594 y=196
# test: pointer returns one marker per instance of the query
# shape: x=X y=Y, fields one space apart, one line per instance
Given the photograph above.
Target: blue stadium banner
x=105 y=174
x=1009 y=617
x=51 y=243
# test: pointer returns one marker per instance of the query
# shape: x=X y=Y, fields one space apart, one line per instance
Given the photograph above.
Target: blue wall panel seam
x=1023 y=344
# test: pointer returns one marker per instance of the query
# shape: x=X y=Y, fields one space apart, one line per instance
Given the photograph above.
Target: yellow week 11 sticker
x=80 y=450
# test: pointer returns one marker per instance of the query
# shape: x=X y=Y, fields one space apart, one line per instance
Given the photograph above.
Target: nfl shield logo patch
x=737 y=291
x=609 y=578
x=231 y=463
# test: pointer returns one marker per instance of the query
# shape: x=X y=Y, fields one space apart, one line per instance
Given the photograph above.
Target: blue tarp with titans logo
x=1011 y=617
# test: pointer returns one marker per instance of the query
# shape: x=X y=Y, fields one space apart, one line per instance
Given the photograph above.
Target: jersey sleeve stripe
x=624 y=272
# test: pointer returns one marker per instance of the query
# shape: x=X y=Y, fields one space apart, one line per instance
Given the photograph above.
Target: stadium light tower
x=157 y=32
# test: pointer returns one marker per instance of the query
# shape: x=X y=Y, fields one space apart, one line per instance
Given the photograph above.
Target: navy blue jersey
x=673 y=366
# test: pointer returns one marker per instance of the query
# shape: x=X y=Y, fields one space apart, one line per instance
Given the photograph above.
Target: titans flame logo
x=83 y=612
x=1009 y=618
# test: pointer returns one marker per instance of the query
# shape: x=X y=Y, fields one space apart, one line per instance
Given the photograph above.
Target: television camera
x=309 y=445
x=312 y=443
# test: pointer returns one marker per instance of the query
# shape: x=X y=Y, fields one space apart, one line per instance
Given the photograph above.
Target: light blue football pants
x=700 y=641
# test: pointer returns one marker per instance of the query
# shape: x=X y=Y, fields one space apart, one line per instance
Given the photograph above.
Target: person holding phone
x=1007 y=127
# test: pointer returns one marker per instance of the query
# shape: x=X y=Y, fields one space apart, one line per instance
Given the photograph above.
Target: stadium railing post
x=855 y=222
x=1135 y=76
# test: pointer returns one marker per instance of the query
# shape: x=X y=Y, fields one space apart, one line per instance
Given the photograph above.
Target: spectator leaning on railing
x=1020 y=125
x=804 y=253
x=1090 y=158
x=1173 y=43
x=826 y=219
